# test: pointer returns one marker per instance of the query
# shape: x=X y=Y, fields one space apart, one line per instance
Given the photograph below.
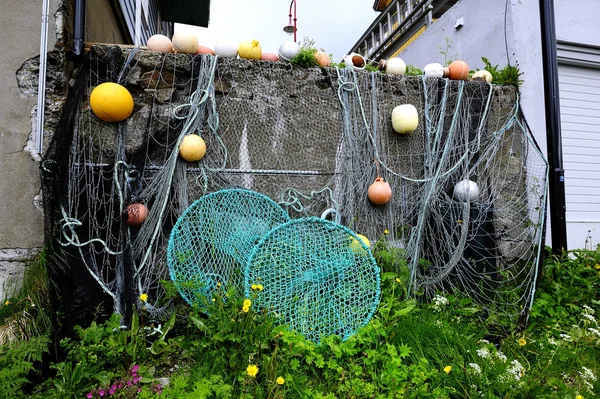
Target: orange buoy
x=136 y=214
x=379 y=192
x=459 y=70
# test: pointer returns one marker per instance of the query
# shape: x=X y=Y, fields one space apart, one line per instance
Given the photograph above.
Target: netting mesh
x=487 y=247
x=313 y=140
x=211 y=242
x=316 y=276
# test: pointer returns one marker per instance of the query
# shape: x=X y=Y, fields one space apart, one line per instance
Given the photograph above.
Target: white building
x=499 y=29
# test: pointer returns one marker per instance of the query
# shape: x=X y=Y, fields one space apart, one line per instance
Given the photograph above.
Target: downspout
x=41 y=99
x=78 y=31
x=556 y=193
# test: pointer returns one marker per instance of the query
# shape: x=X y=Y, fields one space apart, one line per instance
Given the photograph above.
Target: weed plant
x=410 y=349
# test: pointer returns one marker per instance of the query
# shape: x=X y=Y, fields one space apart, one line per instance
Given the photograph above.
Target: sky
x=334 y=25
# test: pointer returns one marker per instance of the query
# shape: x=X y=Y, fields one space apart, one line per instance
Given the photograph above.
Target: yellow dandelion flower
x=280 y=380
x=219 y=284
x=398 y=280
x=143 y=297
x=579 y=396
x=522 y=342
x=386 y=232
x=447 y=369
x=247 y=303
x=252 y=370
x=245 y=309
x=596 y=266
x=259 y=287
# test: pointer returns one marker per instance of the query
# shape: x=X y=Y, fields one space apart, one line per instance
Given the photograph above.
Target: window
x=395 y=19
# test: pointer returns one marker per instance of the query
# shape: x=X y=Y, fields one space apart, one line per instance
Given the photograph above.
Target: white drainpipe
x=39 y=140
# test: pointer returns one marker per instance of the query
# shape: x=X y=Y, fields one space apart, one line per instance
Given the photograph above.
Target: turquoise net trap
x=213 y=239
x=316 y=276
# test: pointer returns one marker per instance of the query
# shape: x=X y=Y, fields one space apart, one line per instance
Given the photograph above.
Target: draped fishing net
x=313 y=140
x=212 y=241
x=316 y=276
x=486 y=246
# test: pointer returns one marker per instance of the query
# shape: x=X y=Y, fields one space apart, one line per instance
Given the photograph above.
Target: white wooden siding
x=580 y=118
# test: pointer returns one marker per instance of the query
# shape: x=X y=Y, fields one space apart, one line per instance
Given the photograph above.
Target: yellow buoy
x=192 y=148
x=111 y=102
x=356 y=245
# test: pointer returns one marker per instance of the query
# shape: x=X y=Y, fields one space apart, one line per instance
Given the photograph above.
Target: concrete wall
x=21 y=222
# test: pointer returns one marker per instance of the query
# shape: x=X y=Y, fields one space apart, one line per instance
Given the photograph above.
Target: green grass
x=408 y=350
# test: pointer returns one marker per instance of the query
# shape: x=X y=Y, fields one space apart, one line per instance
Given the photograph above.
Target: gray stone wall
x=21 y=221
x=283 y=126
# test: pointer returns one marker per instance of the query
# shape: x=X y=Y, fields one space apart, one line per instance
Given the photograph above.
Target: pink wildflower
x=90 y=395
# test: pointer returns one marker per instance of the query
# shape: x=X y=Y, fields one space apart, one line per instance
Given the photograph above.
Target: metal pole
x=295 y=19
x=41 y=100
x=558 y=223
x=293 y=3
x=137 y=40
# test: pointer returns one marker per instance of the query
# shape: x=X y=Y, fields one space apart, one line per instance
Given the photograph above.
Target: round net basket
x=212 y=240
x=316 y=276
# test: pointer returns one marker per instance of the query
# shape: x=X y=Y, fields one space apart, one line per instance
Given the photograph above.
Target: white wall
x=483 y=34
x=577 y=21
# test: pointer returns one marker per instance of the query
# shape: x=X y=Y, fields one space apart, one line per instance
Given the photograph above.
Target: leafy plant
x=510 y=75
x=445 y=51
x=24 y=312
x=16 y=362
x=413 y=71
x=306 y=57
x=435 y=348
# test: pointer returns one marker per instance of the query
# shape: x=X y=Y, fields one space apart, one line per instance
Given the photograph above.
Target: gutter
x=558 y=224
x=78 y=49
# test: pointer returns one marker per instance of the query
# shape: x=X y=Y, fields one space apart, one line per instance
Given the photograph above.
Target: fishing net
x=486 y=246
x=211 y=242
x=316 y=276
x=313 y=140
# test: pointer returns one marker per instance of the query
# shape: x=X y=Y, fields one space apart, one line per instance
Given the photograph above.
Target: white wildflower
x=475 y=367
x=483 y=352
x=552 y=341
x=590 y=318
x=439 y=302
x=516 y=370
x=594 y=331
x=501 y=356
x=588 y=310
x=589 y=386
x=566 y=337
x=587 y=374
x=438 y=323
